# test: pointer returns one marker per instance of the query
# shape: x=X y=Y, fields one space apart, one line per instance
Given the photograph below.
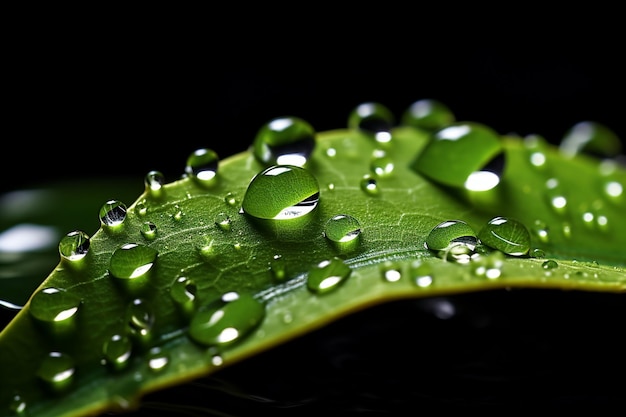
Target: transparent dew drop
x=278 y=268
x=344 y=231
x=112 y=213
x=141 y=208
x=489 y=266
x=428 y=114
x=541 y=231
x=153 y=182
x=284 y=141
x=421 y=273
x=463 y=155
x=183 y=292
x=549 y=264
x=56 y=309
x=390 y=272
x=158 y=359
x=507 y=235
x=374 y=119
x=132 y=261
x=281 y=192
x=57 y=371
x=230 y=199
x=591 y=138
x=226 y=320
x=148 y=230
x=223 y=221
x=74 y=246
x=116 y=352
x=140 y=320
x=17 y=406
x=369 y=185
x=327 y=275
x=202 y=166
x=381 y=166
x=538 y=253
x=450 y=233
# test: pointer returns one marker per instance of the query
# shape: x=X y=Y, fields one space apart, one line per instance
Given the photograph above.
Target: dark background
x=82 y=107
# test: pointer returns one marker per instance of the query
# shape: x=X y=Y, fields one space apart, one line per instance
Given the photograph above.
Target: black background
x=79 y=106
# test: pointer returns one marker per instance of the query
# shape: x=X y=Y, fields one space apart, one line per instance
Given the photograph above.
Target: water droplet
x=369 y=185
x=141 y=208
x=230 y=199
x=541 y=230
x=112 y=213
x=117 y=352
x=56 y=309
x=343 y=231
x=132 y=261
x=140 y=320
x=506 y=235
x=591 y=138
x=468 y=155
x=284 y=141
x=421 y=273
x=17 y=406
x=381 y=166
x=390 y=272
x=489 y=266
x=183 y=292
x=281 y=192
x=222 y=221
x=57 y=371
x=372 y=118
x=74 y=245
x=157 y=359
x=278 y=268
x=538 y=253
x=227 y=319
x=549 y=264
x=153 y=182
x=327 y=275
x=428 y=114
x=149 y=230
x=177 y=213
x=202 y=166
x=450 y=233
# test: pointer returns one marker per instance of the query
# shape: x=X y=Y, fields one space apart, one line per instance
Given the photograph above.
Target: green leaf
x=190 y=279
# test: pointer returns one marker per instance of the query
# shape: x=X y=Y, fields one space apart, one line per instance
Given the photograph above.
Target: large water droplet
x=592 y=138
x=117 y=351
x=57 y=371
x=464 y=155
x=372 y=118
x=56 y=309
x=428 y=114
x=74 y=246
x=449 y=233
x=281 y=192
x=112 y=213
x=327 y=275
x=344 y=231
x=202 y=166
x=227 y=319
x=284 y=141
x=131 y=264
x=506 y=235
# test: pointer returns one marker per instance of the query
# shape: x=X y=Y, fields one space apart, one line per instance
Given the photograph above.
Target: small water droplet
x=202 y=166
x=56 y=309
x=278 y=268
x=284 y=141
x=141 y=208
x=153 y=182
x=428 y=114
x=117 y=352
x=507 y=235
x=538 y=253
x=227 y=319
x=381 y=166
x=17 y=406
x=489 y=266
x=591 y=138
x=464 y=155
x=541 y=230
x=112 y=213
x=157 y=359
x=177 y=213
x=281 y=192
x=421 y=273
x=148 y=230
x=369 y=185
x=74 y=246
x=132 y=261
x=344 y=231
x=183 y=292
x=140 y=320
x=327 y=275
x=450 y=233
x=549 y=264
x=374 y=119
x=223 y=221
x=390 y=272
x=57 y=371
x=230 y=199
